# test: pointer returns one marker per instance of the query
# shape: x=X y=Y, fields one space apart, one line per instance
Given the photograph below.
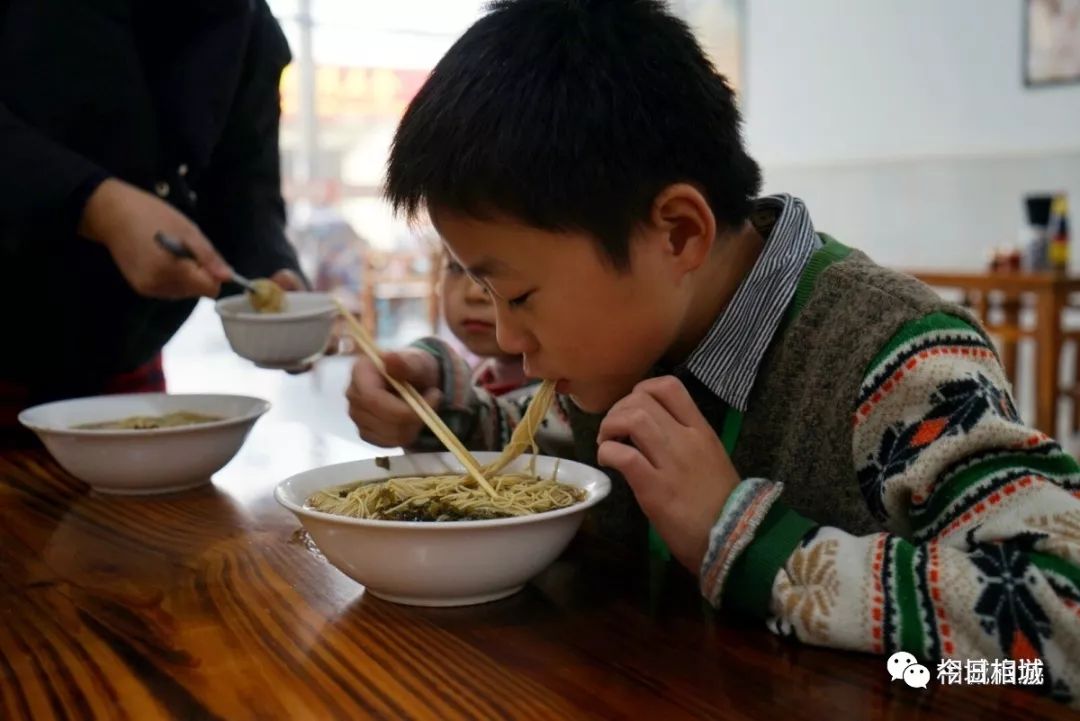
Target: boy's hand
x=380 y=414
x=124 y=219
x=674 y=462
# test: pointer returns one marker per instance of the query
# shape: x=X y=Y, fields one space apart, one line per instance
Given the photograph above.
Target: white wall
x=853 y=80
x=906 y=126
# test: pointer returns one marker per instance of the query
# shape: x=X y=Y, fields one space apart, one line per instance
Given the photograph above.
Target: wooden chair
x=399 y=275
x=1046 y=295
x=1004 y=325
x=1006 y=329
x=1070 y=391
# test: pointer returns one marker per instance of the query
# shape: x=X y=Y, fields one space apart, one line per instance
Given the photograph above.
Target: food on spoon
x=268 y=296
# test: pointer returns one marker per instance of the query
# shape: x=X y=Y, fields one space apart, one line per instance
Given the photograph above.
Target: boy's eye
x=518 y=301
x=454 y=267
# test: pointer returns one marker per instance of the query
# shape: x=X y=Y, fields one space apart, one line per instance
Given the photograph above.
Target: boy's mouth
x=562 y=385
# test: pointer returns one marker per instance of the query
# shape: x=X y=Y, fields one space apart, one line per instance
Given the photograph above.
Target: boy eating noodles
x=826 y=443
x=469 y=313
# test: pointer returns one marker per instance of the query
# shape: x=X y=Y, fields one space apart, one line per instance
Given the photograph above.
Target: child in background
x=470 y=316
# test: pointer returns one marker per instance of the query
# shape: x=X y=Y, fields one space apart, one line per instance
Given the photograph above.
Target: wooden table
x=212 y=604
x=1050 y=293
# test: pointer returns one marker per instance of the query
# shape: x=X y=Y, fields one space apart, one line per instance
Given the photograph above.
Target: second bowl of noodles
x=145 y=442
x=443 y=562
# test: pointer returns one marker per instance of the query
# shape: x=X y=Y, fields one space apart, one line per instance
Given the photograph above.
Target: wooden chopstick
x=416 y=401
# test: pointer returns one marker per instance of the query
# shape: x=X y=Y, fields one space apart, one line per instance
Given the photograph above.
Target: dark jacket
x=178 y=97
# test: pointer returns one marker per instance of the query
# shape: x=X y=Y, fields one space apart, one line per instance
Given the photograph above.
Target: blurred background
x=941 y=138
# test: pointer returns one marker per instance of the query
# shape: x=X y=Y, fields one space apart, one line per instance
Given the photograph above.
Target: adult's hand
x=124 y=219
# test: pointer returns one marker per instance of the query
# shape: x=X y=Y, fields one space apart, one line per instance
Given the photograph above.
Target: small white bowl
x=158 y=460
x=296 y=336
x=451 y=563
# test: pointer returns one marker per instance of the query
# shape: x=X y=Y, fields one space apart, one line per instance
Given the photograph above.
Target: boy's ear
x=683 y=214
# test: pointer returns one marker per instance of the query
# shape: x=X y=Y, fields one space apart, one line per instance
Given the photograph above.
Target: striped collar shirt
x=727 y=359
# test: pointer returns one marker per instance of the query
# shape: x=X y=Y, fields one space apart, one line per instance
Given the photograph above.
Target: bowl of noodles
x=416 y=530
x=291 y=331
x=145 y=442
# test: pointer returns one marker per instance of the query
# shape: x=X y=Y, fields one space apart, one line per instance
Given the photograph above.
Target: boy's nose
x=512 y=338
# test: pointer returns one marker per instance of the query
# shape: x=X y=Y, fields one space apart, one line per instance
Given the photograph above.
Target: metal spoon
x=177 y=248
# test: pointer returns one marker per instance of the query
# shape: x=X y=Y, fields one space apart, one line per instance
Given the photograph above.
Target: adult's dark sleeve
x=40 y=177
x=243 y=212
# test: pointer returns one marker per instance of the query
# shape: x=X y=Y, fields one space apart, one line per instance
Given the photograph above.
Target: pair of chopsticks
x=416 y=401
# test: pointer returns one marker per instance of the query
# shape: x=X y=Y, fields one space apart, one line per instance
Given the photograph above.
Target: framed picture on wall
x=1051 y=42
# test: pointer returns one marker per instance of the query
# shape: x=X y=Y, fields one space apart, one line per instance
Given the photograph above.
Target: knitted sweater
x=893 y=498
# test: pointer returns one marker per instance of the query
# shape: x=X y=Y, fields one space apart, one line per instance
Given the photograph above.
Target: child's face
x=559 y=302
x=468 y=310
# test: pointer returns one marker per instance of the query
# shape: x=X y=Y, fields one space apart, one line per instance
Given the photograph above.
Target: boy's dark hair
x=572 y=115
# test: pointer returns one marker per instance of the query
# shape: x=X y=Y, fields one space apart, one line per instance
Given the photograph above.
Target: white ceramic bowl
x=159 y=460
x=296 y=336
x=452 y=563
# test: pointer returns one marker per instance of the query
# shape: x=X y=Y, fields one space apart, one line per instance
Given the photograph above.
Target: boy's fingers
x=640 y=427
x=368 y=394
x=625 y=459
x=646 y=422
x=410 y=366
x=672 y=395
x=381 y=415
x=365 y=376
x=397 y=366
x=385 y=408
x=378 y=439
x=390 y=431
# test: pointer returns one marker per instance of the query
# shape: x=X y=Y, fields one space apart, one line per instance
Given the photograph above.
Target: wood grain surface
x=213 y=604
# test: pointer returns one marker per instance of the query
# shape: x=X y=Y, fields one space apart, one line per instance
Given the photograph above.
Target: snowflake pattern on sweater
x=982 y=554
